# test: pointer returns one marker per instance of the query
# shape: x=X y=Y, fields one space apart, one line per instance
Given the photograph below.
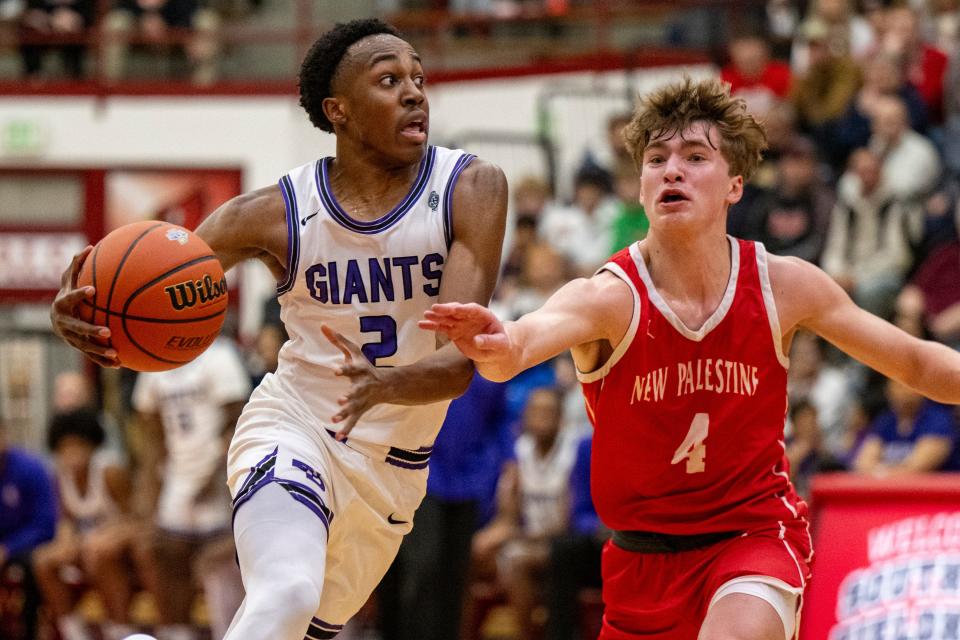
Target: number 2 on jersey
x=692 y=448
x=386 y=346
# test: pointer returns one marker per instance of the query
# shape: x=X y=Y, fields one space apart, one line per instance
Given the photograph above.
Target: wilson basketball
x=161 y=291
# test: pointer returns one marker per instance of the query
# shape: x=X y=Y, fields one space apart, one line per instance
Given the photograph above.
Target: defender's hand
x=474 y=329
x=65 y=317
x=368 y=386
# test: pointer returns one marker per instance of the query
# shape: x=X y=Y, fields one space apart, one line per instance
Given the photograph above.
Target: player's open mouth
x=671 y=196
x=415 y=130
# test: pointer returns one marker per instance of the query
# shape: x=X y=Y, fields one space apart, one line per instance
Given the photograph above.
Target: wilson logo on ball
x=188 y=294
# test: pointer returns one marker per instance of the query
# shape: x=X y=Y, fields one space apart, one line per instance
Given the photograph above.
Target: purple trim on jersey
x=462 y=163
x=384 y=222
x=263 y=466
x=317 y=506
x=326 y=625
x=407 y=465
x=309 y=498
x=320 y=630
x=293 y=234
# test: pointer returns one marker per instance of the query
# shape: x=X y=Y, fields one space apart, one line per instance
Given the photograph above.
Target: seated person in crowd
x=913 y=435
x=55 y=20
x=94 y=533
x=187 y=416
x=869 y=246
x=28 y=518
x=532 y=505
x=575 y=557
x=155 y=21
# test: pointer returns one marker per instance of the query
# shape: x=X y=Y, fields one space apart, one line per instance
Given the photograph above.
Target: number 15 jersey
x=370 y=281
x=689 y=424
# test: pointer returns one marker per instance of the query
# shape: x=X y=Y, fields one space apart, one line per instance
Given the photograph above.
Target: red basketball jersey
x=689 y=424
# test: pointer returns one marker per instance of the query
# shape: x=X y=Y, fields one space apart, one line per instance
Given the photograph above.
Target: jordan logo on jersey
x=374 y=279
x=704 y=374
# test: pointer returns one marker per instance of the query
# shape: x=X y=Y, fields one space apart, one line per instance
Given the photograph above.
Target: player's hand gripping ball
x=161 y=291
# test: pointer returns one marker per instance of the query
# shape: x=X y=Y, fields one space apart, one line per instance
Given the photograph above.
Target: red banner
x=887 y=562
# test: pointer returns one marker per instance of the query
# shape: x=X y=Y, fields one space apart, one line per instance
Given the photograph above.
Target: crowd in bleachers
x=862 y=108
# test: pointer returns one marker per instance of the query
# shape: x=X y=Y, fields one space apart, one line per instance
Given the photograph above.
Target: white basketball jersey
x=190 y=402
x=545 y=483
x=370 y=281
x=94 y=506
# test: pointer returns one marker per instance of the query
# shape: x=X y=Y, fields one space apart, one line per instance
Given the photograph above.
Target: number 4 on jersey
x=692 y=449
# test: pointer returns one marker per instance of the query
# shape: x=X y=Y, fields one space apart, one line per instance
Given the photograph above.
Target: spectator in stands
x=925 y=65
x=630 y=222
x=532 y=505
x=60 y=21
x=531 y=197
x=913 y=435
x=847 y=33
x=544 y=271
x=187 y=416
x=792 y=218
x=883 y=76
x=951 y=102
x=28 y=518
x=870 y=241
x=620 y=158
x=931 y=300
x=945 y=16
x=825 y=91
x=826 y=388
x=155 y=21
x=575 y=556
x=429 y=574
x=95 y=533
x=266 y=350
x=753 y=76
x=581 y=231
x=804 y=447
x=911 y=164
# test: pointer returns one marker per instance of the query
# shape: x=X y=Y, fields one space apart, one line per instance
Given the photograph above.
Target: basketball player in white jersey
x=363 y=242
x=186 y=417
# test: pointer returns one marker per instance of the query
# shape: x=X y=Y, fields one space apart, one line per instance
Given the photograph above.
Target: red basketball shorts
x=665 y=596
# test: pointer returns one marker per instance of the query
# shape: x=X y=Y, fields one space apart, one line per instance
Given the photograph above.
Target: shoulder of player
x=256 y=219
x=483 y=181
x=800 y=288
x=603 y=295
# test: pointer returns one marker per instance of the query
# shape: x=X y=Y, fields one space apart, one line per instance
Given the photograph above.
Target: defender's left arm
x=808 y=298
x=470 y=274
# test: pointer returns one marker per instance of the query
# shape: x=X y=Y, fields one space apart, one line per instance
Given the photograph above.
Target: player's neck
x=367 y=187
x=690 y=267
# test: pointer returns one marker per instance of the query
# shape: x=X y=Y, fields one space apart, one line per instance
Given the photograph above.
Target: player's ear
x=335 y=111
x=736 y=190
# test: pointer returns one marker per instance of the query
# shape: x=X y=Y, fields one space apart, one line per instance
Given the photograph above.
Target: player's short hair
x=81 y=423
x=670 y=110
x=322 y=61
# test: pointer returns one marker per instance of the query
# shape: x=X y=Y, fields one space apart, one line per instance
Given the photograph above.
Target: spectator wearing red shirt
x=753 y=76
x=926 y=66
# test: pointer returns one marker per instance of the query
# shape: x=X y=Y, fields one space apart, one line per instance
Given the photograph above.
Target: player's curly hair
x=670 y=110
x=81 y=423
x=321 y=62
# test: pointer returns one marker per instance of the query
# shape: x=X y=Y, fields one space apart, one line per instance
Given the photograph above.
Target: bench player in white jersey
x=363 y=242
x=186 y=417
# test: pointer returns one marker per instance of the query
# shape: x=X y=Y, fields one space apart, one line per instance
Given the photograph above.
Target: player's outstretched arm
x=578 y=316
x=808 y=298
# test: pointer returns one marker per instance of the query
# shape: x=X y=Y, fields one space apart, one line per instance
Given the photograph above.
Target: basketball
x=161 y=291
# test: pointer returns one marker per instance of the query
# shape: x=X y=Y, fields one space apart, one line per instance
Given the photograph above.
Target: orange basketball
x=161 y=291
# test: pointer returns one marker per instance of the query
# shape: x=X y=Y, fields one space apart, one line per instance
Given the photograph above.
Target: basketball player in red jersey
x=680 y=342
